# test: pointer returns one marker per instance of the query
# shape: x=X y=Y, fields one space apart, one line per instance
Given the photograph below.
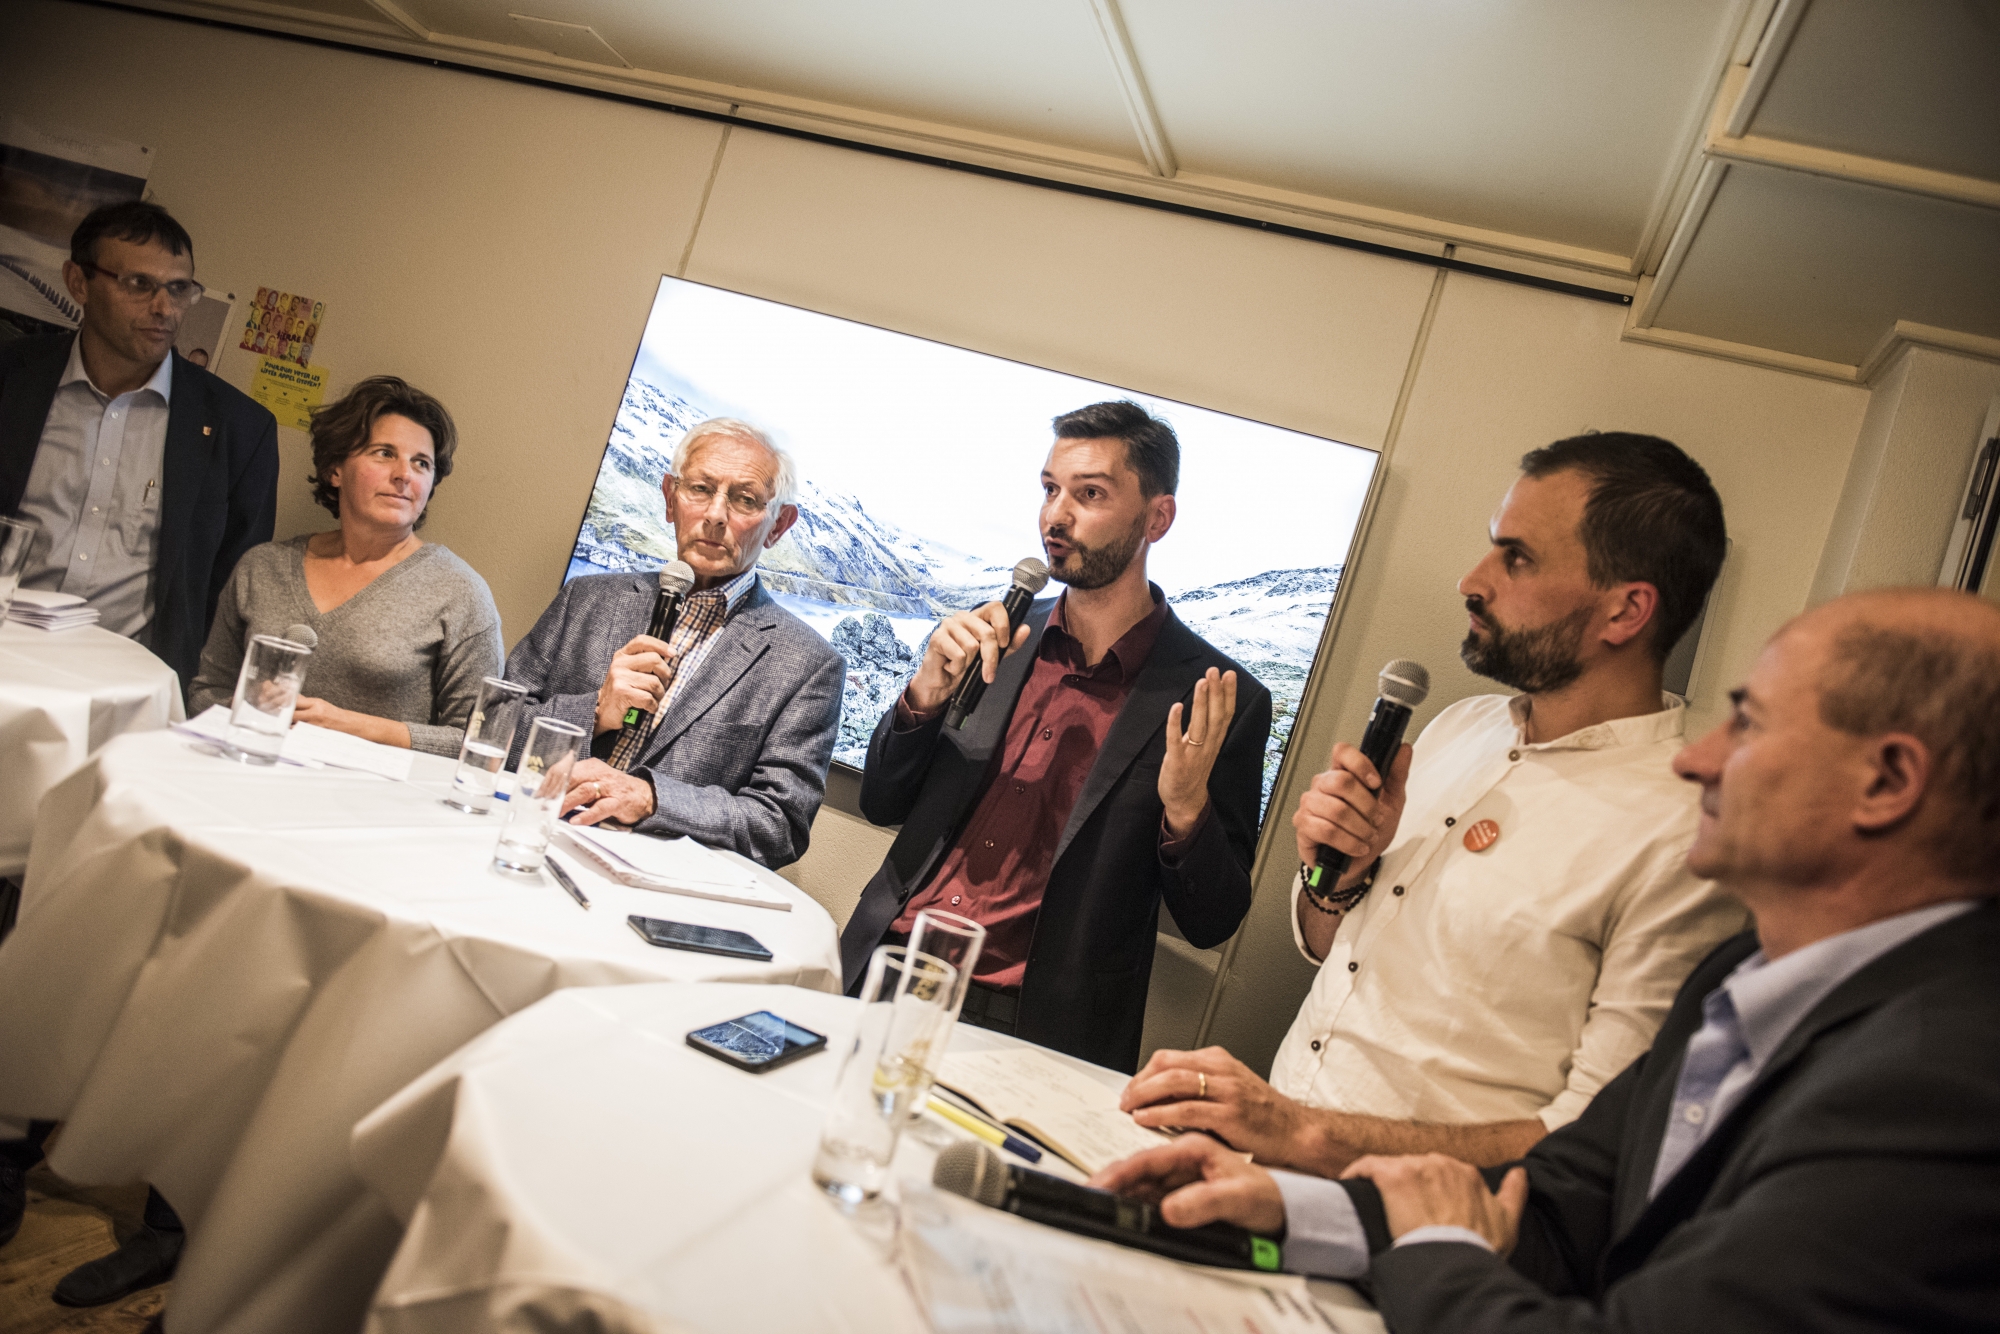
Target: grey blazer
x=740 y=759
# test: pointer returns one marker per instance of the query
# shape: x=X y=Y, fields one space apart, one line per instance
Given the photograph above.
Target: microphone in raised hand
x=675 y=582
x=1401 y=687
x=303 y=635
x=1030 y=577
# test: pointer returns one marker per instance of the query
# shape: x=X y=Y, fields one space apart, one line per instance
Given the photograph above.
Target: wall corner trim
x=1908 y=334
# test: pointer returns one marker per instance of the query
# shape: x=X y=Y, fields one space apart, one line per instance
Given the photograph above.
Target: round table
x=579 y=1166
x=220 y=969
x=63 y=694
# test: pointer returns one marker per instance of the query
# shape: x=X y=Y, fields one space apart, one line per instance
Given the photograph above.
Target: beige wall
x=500 y=243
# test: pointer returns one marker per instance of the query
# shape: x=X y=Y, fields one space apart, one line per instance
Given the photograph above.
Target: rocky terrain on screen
x=875 y=589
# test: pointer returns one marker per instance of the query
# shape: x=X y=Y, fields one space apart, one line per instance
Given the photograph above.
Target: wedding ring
x=596 y=791
x=1202 y=1075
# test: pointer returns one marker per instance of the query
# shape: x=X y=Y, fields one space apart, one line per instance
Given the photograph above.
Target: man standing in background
x=147 y=477
x=1116 y=762
x=1518 y=914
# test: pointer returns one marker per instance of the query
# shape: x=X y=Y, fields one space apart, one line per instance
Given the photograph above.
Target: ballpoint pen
x=562 y=878
x=992 y=1134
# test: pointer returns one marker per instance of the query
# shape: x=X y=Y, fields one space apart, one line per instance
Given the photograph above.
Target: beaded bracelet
x=1335 y=902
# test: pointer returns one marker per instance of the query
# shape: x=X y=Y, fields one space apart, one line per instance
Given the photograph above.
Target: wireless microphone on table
x=971 y=1169
x=1030 y=577
x=675 y=581
x=1403 y=685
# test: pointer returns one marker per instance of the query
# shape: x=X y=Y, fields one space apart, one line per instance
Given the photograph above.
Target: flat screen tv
x=919 y=483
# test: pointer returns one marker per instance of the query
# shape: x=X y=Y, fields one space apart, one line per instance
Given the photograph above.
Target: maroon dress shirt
x=996 y=872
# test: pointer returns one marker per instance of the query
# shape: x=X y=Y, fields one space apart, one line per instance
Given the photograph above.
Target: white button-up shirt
x=1512 y=982
x=94 y=490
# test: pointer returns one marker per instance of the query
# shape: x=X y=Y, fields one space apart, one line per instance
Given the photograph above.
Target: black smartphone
x=757 y=1042
x=700 y=939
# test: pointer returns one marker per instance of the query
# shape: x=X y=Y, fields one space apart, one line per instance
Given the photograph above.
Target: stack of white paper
x=50 y=611
x=672 y=865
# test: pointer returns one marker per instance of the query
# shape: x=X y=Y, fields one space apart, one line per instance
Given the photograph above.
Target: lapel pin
x=208 y=430
x=1482 y=836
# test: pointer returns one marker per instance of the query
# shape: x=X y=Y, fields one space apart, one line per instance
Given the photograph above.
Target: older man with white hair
x=743 y=697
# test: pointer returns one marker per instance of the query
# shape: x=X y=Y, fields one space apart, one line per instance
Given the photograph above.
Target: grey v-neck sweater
x=411 y=646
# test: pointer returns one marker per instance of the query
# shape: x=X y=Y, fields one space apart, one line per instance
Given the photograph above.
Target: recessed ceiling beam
x=1764 y=65
x=1153 y=145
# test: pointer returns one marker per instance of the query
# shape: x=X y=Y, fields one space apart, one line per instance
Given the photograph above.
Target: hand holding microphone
x=637 y=679
x=966 y=648
x=1350 y=813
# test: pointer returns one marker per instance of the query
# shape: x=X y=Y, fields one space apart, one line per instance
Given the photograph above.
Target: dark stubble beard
x=1095 y=567
x=1535 y=661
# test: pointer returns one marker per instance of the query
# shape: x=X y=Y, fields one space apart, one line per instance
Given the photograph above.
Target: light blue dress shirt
x=94 y=491
x=1743 y=1023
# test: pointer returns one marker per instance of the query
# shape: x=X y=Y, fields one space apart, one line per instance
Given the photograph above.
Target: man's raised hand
x=1191 y=753
x=637 y=678
x=962 y=640
x=1350 y=809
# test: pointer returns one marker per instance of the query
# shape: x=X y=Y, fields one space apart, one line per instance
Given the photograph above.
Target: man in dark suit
x=1813 y=1142
x=147 y=475
x=1114 y=760
x=742 y=705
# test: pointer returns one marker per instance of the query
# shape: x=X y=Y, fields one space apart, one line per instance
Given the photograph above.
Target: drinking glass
x=956 y=940
x=17 y=538
x=903 y=1003
x=489 y=735
x=545 y=764
x=267 y=690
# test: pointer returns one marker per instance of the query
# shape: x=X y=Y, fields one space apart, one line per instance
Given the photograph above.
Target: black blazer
x=1855 y=1187
x=1092 y=954
x=218 y=484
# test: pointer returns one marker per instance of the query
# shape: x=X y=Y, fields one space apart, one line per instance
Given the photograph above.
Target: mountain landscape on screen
x=875 y=590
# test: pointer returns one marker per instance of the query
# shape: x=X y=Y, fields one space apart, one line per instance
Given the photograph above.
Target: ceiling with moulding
x=1799 y=183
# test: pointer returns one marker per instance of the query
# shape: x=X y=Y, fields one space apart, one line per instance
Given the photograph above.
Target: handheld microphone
x=675 y=581
x=303 y=635
x=1030 y=577
x=973 y=1170
x=1403 y=685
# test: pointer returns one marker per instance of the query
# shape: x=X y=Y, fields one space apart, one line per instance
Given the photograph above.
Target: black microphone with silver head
x=303 y=635
x=1031 y=576
x=971 y=1169
x=1401 y=687
x=675 y=582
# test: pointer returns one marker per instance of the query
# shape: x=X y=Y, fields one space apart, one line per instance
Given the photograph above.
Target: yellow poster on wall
x=289 y=390
x=282 y=325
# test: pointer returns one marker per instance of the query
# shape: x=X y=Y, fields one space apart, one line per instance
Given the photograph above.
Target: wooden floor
x=67 y=1225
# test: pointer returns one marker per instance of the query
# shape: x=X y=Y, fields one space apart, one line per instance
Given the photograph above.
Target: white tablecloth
x=220 y=969
x=581 y=1167
x=62 y=696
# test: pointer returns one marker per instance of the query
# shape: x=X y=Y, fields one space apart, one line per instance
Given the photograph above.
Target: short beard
x=1534 y=662
x=1095 y=567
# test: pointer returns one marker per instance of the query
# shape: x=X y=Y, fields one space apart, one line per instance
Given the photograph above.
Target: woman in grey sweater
x=406 y=629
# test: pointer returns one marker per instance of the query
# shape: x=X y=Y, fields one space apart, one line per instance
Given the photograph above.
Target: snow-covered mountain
x=875 y=589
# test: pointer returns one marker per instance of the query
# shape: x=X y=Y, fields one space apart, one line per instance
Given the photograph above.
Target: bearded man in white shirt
x=1518 y=914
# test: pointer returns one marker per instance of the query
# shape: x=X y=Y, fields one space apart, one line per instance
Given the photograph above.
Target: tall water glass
x=956 y=940
x=17 y=538
x=489 y=735
x=267 y=690
x=531 y=814
x=903 y=1003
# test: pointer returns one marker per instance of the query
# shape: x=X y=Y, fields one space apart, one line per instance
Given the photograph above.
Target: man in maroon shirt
x=1114 y=761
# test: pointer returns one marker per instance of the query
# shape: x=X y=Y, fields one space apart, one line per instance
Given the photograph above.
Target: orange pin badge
x=1482 y=836
x=208 y=430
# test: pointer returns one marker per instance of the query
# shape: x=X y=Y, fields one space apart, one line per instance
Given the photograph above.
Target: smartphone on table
x=756 y=1042
x=700 y=939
